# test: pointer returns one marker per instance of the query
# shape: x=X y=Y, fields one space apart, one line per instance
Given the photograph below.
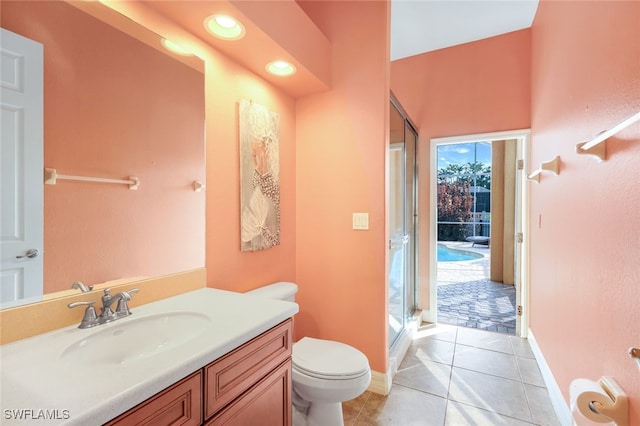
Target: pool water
x=446 y=254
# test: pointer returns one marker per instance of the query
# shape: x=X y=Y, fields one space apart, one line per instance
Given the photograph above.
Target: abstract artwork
x=259 y=177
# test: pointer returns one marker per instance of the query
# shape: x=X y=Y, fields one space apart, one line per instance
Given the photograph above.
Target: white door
x=21 y=168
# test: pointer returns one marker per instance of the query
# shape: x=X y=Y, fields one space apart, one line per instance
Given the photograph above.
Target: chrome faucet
x=80 y=286
x=122 y=309
x=90 y=318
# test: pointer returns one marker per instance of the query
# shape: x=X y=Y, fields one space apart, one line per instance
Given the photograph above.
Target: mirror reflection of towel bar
x=51 y=176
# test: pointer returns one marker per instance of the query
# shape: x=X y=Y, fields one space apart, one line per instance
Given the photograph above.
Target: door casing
x=430 y=313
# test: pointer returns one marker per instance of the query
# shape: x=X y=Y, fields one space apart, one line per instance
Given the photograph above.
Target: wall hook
x=552 y=166
x=198 y=186
x=634 y=353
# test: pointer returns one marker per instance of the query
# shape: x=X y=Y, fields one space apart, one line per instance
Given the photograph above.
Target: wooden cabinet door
x=180 y=404
x=230 y=376
x=268 y=403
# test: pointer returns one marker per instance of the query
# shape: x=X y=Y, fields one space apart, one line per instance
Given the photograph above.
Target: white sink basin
x=136 y=338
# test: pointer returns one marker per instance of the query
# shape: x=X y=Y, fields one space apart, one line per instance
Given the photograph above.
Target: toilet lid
x=328 y=359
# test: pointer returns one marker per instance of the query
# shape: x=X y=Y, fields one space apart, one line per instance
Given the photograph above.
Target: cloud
x=463 y=153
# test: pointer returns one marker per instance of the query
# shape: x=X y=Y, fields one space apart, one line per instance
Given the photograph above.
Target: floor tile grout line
x=526 y=396
x=491 y=411
x=422 y=390
x=453 y=359
x=518 y=365
x=355 y=420
x=487 y=374
x=487 y=349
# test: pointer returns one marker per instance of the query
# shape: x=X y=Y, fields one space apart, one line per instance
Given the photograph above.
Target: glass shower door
x=401 y=223
x=398 y=243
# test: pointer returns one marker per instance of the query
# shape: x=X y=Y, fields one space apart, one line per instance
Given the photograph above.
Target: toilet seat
x=329 y=360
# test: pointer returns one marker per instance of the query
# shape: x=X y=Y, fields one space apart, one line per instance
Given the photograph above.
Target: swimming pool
x=446 y=254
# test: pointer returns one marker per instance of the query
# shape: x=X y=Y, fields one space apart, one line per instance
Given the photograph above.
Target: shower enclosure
x=402 y=221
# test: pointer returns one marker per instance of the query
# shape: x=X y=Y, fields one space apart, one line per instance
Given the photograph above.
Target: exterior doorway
x=467 y=296
x=478 y=202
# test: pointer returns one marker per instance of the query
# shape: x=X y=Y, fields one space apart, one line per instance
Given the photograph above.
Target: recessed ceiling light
x=224 y=27
x=175 y=47
x=282 y=68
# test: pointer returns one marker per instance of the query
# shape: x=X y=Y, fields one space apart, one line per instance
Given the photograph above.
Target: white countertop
x=35 y=381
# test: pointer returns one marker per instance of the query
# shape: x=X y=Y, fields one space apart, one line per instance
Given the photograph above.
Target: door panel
x=401 y=223
x=397 y=244
x=411 y=142
x=21 y=165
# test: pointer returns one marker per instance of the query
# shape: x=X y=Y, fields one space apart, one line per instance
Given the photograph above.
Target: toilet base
x=319 y=415
x=325 y=414
x=299 y=417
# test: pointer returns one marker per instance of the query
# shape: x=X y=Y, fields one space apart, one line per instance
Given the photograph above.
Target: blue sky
x=463 y=153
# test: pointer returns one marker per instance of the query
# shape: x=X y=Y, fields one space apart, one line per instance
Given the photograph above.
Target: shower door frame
x=408 y=239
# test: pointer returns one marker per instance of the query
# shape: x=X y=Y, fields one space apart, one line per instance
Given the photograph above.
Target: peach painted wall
x=227 y=267
x=106 y=101
x=585 y=249
x=342 y=142
x=473 y=88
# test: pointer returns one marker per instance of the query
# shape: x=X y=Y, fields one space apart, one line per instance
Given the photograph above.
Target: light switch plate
x=361 y=221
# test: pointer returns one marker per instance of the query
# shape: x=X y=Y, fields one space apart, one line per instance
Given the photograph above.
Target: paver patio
x=468 y=298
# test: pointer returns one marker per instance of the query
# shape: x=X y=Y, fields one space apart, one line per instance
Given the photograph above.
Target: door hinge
x=519 y=310
x=519 y=237
x=520 y=164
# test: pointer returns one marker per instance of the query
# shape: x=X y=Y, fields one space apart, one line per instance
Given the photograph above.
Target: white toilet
x=324 y=372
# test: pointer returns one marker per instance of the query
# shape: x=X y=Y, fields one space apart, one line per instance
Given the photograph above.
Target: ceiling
x=419 y=26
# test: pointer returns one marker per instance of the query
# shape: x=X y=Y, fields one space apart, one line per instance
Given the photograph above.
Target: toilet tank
x=280 y=290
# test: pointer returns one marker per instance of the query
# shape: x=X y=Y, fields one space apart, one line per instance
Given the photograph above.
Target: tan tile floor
x=460 y=376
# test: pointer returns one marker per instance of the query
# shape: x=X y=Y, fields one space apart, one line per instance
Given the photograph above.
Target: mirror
x=114 y=107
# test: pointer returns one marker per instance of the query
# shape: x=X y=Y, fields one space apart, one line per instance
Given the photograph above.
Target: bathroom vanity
x=251 y=385
x=205 y=357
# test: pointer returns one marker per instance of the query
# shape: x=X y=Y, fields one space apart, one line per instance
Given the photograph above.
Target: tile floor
x=460 y=376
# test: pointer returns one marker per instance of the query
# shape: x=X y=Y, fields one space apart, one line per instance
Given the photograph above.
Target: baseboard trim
x=381 y=382
x=555 y=394
x=427 y=316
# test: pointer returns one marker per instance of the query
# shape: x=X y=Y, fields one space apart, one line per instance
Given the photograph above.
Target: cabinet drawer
x=267 y=403
x=179 y=404
x=233 y=374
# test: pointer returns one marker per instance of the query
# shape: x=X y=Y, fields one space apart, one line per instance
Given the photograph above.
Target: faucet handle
x=90 y=319
x=122 y=310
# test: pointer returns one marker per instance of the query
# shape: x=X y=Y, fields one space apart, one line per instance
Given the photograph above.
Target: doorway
x=401 y=221
x=478 y=228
